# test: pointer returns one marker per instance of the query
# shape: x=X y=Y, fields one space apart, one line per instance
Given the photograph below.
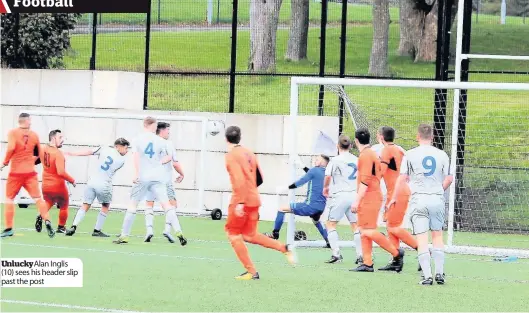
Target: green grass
x=199 y=277
x=175 y=12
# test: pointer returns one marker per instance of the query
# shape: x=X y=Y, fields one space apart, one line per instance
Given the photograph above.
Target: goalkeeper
x=314 y=205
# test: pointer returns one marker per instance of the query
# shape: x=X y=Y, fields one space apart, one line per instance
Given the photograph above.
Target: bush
x=42 y=39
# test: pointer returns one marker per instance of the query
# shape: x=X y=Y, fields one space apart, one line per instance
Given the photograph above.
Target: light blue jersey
x=151 y=149
x=170 y=149
x=108 y=163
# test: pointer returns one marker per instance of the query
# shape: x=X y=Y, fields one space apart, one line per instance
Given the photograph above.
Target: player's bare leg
x=9 y=216
x=172 y=219
x=438 y=255
x=149 y=220
x=241 y=251
x=101 y=217
x=278 y=222
x=332 y=235
x=78 y=218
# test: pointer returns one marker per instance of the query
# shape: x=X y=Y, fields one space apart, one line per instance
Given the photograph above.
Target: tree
x=299 y=31
x=264 y=19
x=378 y=62
x=40 y=40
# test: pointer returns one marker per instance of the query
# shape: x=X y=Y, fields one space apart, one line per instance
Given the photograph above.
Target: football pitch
x=159 y=276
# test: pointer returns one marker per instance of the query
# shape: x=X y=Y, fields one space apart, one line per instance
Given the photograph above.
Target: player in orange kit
x=391 y=160
x=54 y=178
x=22 y=152
x=368 y=203
x=243 y=211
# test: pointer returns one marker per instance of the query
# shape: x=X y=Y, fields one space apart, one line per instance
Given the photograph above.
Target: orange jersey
x=244 y=173
x=369 y=170
x=54 y=173
x=391 y=159
x=22 y=151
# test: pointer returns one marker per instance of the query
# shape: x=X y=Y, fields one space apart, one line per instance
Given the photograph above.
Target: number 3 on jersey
x=429 y=164
x=355 y=169
x=149 y=150
x=107 y=164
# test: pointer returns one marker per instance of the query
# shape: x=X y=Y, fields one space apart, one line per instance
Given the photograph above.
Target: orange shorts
x=15 y=182
x=395 y=214
x=59 y=196
x=368 y=211
x=242 y=225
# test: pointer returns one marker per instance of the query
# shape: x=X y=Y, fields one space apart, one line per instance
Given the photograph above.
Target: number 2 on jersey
x=429 y=164
x=107 y=164
x=149 y=150
x=355 y=169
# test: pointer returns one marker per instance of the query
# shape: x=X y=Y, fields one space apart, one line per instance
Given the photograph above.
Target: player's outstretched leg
x=278 y=223
x=101 y=217
x=241 y=251
x=78 y=218
x=149 y=221
x=172 y=219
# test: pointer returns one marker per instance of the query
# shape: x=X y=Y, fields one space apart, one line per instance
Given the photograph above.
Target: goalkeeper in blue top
x=315 y=203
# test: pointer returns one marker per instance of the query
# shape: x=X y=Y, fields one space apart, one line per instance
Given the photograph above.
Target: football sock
x=393 y=239
x=242 y=254
x=279 y=221
x=173 y=219
x=100 y=220
x=79 y=217
x=63 y=216
x=358 y=243
x=43 y=209
x=265 y=241
x=321 y=229
x=384 y=243
x=149 y=220
x=438 y=256
x=367 y=250
x=333 y=242
x=424 y=261
x=9 y=215
x=127 y=223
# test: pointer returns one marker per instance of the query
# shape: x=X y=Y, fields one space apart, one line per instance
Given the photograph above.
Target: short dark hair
x=344 y=142
x=53 y=133
x=23 y=115
x=161 y=126
x=388 y=133
x=425 y=131
x=233 y=134
x=363 y=136
x=122 y=142
x=325 y=157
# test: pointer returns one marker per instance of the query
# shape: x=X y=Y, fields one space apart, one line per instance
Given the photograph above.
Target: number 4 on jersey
x=149 y=150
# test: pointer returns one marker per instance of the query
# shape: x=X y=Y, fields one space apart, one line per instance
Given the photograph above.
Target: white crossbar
x=495 y=57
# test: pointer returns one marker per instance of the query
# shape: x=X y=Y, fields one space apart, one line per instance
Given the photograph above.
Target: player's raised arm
x=83 y=152
x=11 y=144
x=303 y=180
x=61 y=171
x=327 y=180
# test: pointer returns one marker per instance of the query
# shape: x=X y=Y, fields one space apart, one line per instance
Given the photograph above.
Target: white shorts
x=141 y=189
x=427 y=212
x=103 y=194
x=171 y=195
x=340 y=206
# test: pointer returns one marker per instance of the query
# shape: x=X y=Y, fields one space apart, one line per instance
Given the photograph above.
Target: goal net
x=86 y=130
x=483 y=128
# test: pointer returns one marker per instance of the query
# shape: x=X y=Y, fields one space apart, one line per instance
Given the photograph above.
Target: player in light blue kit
x=427 y=169
x=314 y=205
x=150 y=153
x=163 y=130
x=99 y=185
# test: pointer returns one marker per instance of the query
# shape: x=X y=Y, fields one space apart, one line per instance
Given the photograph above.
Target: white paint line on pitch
x=65 y=306
x=234 y=261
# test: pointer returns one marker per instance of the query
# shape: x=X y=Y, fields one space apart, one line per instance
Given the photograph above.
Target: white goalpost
x=495 y=116
x=41 y=117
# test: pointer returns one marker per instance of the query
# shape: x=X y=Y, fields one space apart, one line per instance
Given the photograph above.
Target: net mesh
x=493 y=160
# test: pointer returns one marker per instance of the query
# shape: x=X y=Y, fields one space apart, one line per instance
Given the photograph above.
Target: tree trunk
x=427 y=41
x=378 y=62
x=264 y=18
x=299 y=31
x=407 y=23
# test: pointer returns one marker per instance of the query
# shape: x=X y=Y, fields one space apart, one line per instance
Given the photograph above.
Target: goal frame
x=201 y=210
x=296 y=81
